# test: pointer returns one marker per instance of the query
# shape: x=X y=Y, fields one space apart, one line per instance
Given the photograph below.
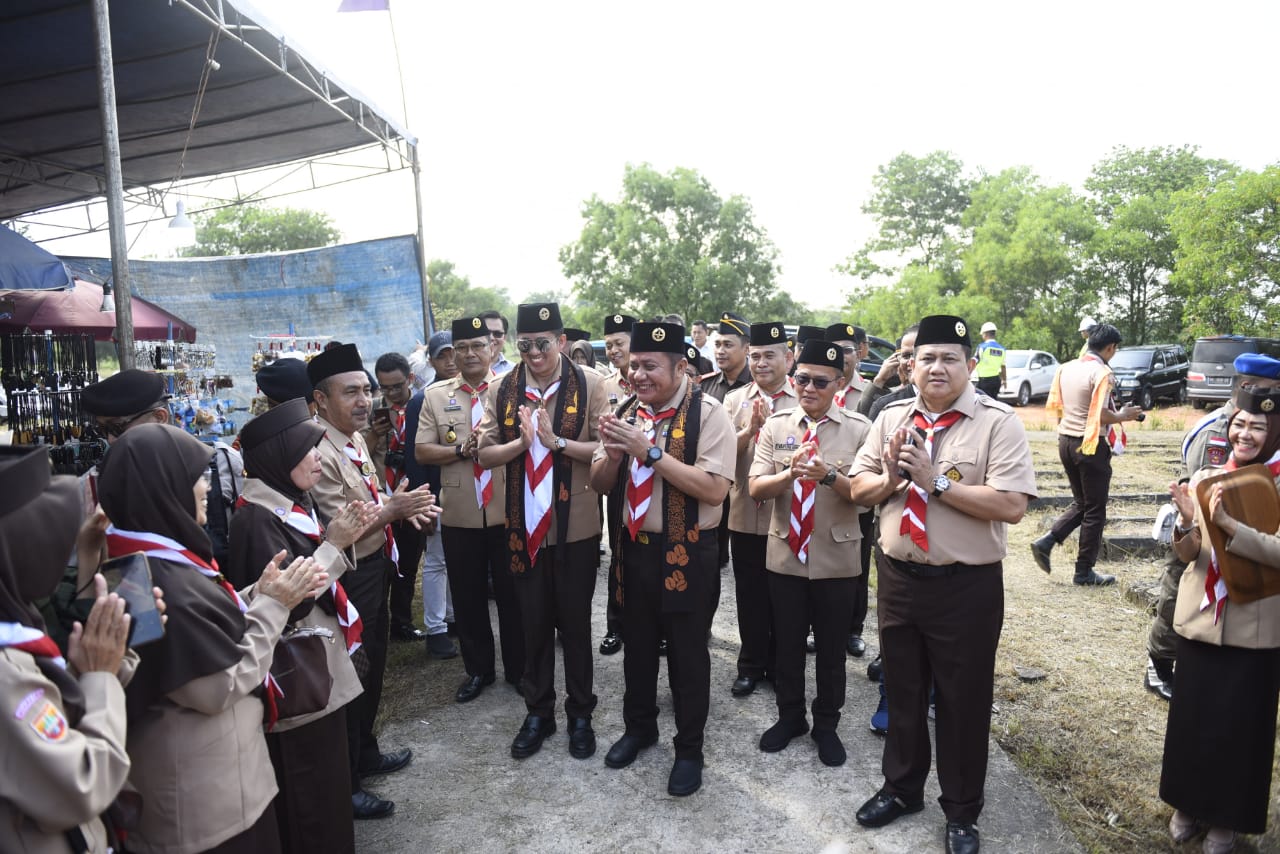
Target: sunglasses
x=115 y=429
x=819 y=383
x=524 y=345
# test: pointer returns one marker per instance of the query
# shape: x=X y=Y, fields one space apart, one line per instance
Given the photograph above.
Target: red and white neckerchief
x=31 y=640
x=803 y=494
x=843 y=395
x=395 y=442
x=300 y=519
x=539 y=488
x=371 y=483
x=483 y=477
x=772 y=399
x=122 y=542
x=917 y=506
x=1215 y=588
x=640 y=479
x=1117 y=439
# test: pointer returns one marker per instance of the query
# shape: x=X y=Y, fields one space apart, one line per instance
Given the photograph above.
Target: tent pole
x=115 y=184
x=428 y=322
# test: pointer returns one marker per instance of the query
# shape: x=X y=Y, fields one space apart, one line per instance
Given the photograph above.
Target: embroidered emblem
x=475 y=323
x=677 y=433
x=1268 y=405
x=791 y=440
x=692 y=535
x=544 y=314
x=659 y=334
x=1216 y=456
x=27 y=702
x=570 y=410
x=831 y=353
x=848 y=330
x=960 y=329
x=774 y=332
x=676 y=580
x=366 y=468
x=953 y=474
x=280 y=511
x=49 y=723
x=617 y=319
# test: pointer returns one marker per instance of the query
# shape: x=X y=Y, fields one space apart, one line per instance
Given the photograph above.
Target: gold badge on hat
x=617 y=318
x=831 y=353
x=659 y=334
x=475 y=323
x=774 y=332
x=960 y=330
x=1268 y=405
x=544 y=313
x=849 y=330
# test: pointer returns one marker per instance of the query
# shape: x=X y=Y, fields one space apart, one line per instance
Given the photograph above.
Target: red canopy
x=80 y=310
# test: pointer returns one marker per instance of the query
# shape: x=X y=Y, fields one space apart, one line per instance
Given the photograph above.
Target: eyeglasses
x=115 y=429
x=400 y=386
x=477 y=347
x=819 y=383
x=497 y=333
x=849 y=351
x=524 y=345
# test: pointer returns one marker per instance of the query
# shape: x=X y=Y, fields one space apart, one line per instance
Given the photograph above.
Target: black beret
x=1256 y=401
x=616 y=323
x=734 y=324
x=343 y=359
x=465 y=328
x=804 y=333
x=817 y=352
x=572 y=334
x=129 y=392
x=538 y=317
x=764 y=334
x=277 y=420
x=942 y=329
x=657 y=338
x=284 y=379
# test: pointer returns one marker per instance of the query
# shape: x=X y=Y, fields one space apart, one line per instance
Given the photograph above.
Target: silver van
x=1212 y=368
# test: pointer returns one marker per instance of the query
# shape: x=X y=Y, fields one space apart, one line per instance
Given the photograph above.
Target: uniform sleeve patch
x=953 y=474
x=27 y=702
x=49 y=723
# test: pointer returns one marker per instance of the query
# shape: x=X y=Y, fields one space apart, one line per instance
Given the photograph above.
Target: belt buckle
x=642 y=538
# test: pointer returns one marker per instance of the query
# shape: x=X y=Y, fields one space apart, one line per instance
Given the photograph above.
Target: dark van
x=1212 y=365
x=1147 y=372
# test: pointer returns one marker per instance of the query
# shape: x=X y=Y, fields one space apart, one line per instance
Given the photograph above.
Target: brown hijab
x=146 y=484
x=275 y=442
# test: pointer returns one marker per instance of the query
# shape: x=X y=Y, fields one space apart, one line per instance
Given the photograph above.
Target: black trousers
x=410 y=543
x=471 y=554
x=313 y=809
x=366 y=587
x=867 y=522
x=799 y=603
x=755 y=616
x=1090 y=479
x=688 y=660
x=990 y=386
x=940 y=631
x=555 y=597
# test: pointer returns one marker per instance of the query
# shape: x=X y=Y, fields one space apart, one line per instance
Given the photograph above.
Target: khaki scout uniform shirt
x=615 y=393
x=342 y=484
x=853 y=391
x=584 y=518
x=834 y=547
x=52 y=777
x=1077 y=380
x=988 y=447
x=746 y=515
x=1206 y=443
x=446 y=420
x=717 y=452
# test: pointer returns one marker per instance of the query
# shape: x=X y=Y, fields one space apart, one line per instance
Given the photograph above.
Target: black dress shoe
x=856 y=646
x=582 y=738
x=407 y=633
x=1040 y=551
x=533 y=732
x=662 y=647
x=1093 y=579
x=365 y=805
x=471 y=689
x=962 y=838
x=884 y=808
x=830 y=748
x=388 y=762
x=686 y=777
x=626 y=749
x=611 y=644
x=744 y=686
x=778 y=736
x=1156 y=680
x=875 y=669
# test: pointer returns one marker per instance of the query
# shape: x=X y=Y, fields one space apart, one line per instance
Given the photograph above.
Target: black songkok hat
x=538 y=317
x=691 y=353
x=1257 y=401
x=841 y=332
x=465 y=328
x=343 y=359
x=276 y=421
x=127 y=393
x=943 y=329
x=804 y=333
x=571 y=334
x=771 y=332
x=284 y=379
x=657 y=338
x=734 y=324
x=616 y=323
x=817 y=352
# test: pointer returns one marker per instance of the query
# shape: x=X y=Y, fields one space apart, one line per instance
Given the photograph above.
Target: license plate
x=1218 y=380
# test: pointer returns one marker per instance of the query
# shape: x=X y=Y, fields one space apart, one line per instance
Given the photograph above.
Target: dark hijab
x=145 y=484
x=275 y=442
x=39 y=517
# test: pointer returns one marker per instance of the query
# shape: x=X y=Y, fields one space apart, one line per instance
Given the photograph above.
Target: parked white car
x=1028 y=374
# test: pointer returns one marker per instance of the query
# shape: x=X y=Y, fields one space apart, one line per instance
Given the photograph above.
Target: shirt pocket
x=960 y=465
x=846 y=533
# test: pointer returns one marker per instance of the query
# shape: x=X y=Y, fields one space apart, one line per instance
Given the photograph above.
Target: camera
x=1142 y=416
x=395 y=460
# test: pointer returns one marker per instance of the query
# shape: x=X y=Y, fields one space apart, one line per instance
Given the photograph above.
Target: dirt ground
x=1075 y=757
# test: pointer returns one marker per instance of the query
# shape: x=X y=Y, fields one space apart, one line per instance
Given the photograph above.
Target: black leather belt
x=924 y=570
x=376 y=556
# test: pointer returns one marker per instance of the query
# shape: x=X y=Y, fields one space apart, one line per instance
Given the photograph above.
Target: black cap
x=538 y=317
x=616 y=323
x=816 y=352
x=571 y=334
x=770 y=332
x=465 y=328
x=840 y=332
x=127 y=393
x=657 y=338
x=942 y=329
x=734 y=324
x=804 y=333
x=284 y=379
x=1256 y=401
x=343 y=359
x=277 y=420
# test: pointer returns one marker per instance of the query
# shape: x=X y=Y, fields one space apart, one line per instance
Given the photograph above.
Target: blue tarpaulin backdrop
x=25 y=266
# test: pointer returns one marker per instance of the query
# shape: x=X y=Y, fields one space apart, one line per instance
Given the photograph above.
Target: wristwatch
x=830 y=477
x=652 y=456
x=561 y=444
x=941 y=484
x=457 y=450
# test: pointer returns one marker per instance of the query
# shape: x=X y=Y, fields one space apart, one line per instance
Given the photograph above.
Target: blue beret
x=1258 y=365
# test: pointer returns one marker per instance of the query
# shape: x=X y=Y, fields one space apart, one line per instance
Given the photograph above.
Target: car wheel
x=1197 y=403
x=1024 y=394
x=1182 y=394
x=1145 y=398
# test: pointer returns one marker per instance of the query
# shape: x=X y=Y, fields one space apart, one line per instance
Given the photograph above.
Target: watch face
x=654 y=454
x=941 y=483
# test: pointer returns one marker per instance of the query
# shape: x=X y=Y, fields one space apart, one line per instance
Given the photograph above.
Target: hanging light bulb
x=182 y=231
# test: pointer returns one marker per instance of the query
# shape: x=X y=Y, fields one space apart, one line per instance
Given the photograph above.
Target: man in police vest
x=990 y=370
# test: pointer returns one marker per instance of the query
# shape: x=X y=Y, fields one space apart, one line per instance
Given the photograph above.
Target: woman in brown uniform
x=1220 y=739
x=195 y=714
x=275 y=513
x=63 y=727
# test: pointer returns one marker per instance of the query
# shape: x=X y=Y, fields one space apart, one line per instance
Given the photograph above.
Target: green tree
x=453 y=296
x=1228 y=251
x=671 y=244
x=1132 y=253
x=248 y=229
x=917 y=203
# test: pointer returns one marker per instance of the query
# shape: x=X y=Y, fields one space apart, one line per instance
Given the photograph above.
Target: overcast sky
x=524 y=110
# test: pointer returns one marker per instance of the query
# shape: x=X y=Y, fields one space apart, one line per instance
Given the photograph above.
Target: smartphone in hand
x=130 y=577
